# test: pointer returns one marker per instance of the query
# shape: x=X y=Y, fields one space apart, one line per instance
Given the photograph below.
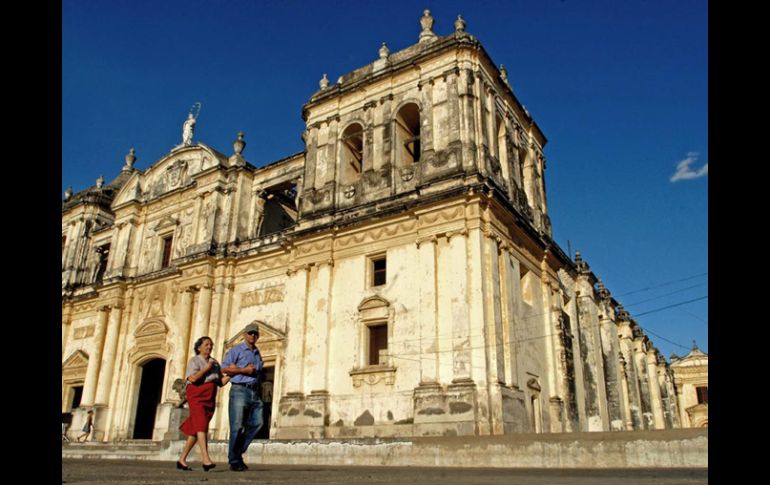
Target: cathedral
x=401 y=269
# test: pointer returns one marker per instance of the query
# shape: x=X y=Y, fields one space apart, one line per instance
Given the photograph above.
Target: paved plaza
x=136 y=472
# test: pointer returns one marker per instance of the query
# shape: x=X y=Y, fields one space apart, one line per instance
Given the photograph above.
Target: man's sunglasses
x=253 y=333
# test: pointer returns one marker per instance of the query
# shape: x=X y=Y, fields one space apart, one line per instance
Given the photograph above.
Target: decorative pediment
x=266 y=333
x=373 y=302
x=173 y=171
x=150 y=341
x=152 y=328
x=374 y=308
x=165 y=223
x=131 y=190
x=270 y=339
x=77 y=361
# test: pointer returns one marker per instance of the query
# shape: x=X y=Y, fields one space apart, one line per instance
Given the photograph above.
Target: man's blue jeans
x=245 y=421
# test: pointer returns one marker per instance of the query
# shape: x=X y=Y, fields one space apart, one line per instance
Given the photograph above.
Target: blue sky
x=619 y=89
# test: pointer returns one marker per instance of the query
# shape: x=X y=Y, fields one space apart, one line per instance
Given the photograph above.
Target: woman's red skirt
x=202 y=400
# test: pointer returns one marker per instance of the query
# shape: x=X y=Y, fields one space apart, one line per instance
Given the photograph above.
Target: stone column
x=202 y=317
x=453 y=108
x=386 y=135
x=550 y=308
x=610 y=359
x=183 y=336
x=95 y=359
x=467 y=330
x=485 y=137
x=632 y=381
x=655 y=398
x=467 y=118
x=468 y=293
x=640 y=362
x=428 y=311
x=108 y=356
x=368 y=153
x=528 y=171
x=591 y=370
x=198 y=205
x=216 y=310
x=296 y=292
x=66 y=324
x=624 y=394
x=509 y=277
x=493 y=333
x=684 y=419
x=317 y=343
x=426 y=119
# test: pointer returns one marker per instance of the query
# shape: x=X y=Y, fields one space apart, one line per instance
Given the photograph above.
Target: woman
x=203 y=376
x=88 y=426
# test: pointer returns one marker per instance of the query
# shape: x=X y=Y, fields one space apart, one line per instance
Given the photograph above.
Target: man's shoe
x=237 y=468
x=244 y=466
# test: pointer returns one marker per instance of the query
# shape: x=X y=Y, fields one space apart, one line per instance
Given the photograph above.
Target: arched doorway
x=149 y=397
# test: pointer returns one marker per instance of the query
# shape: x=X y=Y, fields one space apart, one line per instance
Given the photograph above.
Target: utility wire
x=663 y=284
x=671 y=306
x=664 y=295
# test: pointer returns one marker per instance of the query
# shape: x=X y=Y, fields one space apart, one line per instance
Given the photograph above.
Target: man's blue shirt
x=242 y=356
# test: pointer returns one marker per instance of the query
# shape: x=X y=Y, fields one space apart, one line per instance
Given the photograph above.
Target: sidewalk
x=132 y=472
x=638 y=449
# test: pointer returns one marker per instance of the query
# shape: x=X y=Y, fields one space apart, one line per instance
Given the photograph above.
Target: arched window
x=352 y=153
x=407 y=135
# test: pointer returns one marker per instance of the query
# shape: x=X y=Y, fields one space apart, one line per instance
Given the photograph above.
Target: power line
x=663 y=284
x=671 y=306
x=664 y=295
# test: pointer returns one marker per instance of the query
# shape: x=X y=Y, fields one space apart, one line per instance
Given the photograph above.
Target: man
x=244 y=364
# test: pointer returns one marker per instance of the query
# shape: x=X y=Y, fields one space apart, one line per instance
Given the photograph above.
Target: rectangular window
x=703 y=395
x=378 y=344
x=166 y=261
x=379 y=271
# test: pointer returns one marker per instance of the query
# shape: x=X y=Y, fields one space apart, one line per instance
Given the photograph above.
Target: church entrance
x=267 y=401
x=149 y=398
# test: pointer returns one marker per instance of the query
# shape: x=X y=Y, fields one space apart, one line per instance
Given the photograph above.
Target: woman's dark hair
x=199 y=342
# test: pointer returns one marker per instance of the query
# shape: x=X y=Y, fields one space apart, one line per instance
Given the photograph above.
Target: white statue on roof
x=189 y=125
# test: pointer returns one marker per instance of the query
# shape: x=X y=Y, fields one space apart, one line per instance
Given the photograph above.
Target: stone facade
x=691 y=384
x=401 y=267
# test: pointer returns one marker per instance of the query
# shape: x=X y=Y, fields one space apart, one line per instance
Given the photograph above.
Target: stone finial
x=130 y=159
x=239 y=144
x=426 y=21
x=503 y=74
x=100 y=182
x=384 y=51
x=339 y=80
x=603 y=292
x=324 y=82
x=694 y=345
x=581 y=265
x=68 y=193
x=236 y=159
x=459 y=24
x=622 y=313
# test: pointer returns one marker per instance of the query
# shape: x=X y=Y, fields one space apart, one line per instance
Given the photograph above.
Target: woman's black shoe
x=208 y=467
x=186 y=468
